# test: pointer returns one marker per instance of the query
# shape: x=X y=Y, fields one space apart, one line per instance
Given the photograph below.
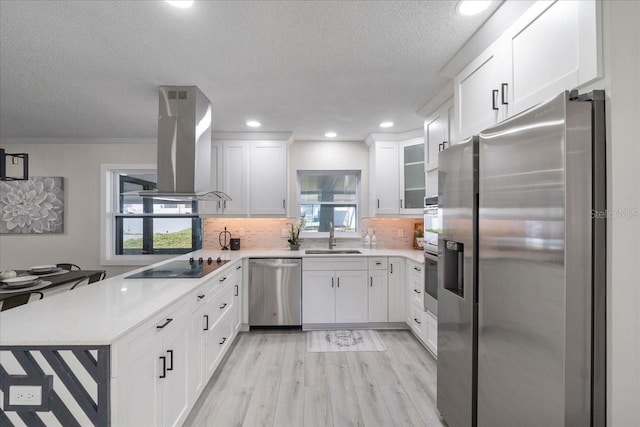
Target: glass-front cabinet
x=412 y=182
x=398 y=175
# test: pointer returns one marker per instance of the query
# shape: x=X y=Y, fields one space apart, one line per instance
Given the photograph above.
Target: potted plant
x=294 y=233
x=419 y=233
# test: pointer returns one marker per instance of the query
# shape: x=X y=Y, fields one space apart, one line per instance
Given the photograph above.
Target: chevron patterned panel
x=75 y=385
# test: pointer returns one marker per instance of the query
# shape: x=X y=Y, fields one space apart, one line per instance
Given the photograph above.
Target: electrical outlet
x=284 y=233
x=241 y=232
x=401 y=233
x=28 y=395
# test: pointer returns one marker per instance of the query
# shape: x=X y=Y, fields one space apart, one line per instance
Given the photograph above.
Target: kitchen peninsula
x=134 y=351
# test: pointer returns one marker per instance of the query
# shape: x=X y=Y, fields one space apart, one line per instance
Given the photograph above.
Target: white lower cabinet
x=152 y=387
x=378 y=290
x=431 y=332
x=160 y=368
x=396 y=285
x=334 y=296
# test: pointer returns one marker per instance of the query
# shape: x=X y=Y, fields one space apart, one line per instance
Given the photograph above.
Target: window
x=329 y=196
x=139 y=229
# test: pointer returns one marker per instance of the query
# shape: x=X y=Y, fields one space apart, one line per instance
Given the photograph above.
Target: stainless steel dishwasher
x=275 y=292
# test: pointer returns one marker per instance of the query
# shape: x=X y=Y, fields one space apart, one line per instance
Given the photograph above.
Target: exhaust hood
x=184 y=147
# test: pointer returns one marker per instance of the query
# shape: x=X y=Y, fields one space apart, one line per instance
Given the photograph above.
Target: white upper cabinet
x=553 y=46
x=397 y=176
x=268 y=180
x=412 y=188
x=386 y=178
x=235 y=177
x=253 y=173
x=477 y=92
x=437 y=134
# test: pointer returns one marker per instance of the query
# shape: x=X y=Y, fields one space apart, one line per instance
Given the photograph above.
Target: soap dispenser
x=374 y=241
x=367 y=241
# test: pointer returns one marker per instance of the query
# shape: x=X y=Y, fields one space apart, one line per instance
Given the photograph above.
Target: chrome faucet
x=332 y=238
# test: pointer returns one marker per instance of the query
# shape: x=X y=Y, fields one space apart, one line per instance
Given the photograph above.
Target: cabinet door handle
x=223 y=279
x=332 y=282
x=494 y=94
x=200 y=297
x=164 y=324
x=238 y=267
x=439 y=147
x=391 y=265
x=338 y=279
x=223 y=340
x=170 y=368
x=371 y=281
x=416 y=291
x=284 y=204
x=417 y=321
x=224 y=204
x=417 y=269
x=236 y=292
x=504 y=88
x=223 y=306
x=378 y=203
x=164 y=367
x=206 y=322
x=400 y=203
x=444 y=144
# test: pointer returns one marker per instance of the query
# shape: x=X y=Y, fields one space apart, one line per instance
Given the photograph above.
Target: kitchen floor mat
x=344 y=340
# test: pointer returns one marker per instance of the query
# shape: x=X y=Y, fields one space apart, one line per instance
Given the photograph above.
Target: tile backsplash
x=266 y=233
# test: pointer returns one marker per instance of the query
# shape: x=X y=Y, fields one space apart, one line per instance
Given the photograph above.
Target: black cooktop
x=186 y=269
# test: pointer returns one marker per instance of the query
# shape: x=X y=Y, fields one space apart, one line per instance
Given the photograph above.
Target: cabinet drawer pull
x=206 y=322
x=238 y=267
x=417 y=269
x=494 y=94
x=416 y=291
x=223 y=340
x=223 y=306
x=417 y=321
x=166 y=322
x=504 y=88
x=200 y=297
x=236 y=292
x=223 y=279
x=378 y=263
x=164 y=367
x=170 y=368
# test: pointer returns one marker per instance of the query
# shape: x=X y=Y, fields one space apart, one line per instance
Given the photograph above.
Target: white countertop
x=103 y=312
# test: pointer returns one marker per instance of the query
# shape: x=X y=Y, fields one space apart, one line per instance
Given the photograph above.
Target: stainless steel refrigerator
x=521 y=272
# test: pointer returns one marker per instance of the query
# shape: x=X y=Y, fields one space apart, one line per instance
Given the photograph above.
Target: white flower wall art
x=33 y=206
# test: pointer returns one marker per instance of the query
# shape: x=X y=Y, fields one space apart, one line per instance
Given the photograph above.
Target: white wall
x=328 y=155
x=79 y=164
x=622 y=85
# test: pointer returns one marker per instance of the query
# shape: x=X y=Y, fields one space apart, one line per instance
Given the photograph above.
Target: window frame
x=358 y=203
x=110 y=212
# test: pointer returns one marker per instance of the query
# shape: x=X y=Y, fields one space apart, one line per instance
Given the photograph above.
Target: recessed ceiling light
x=386 y=124
x=330 y=134
x=182 y=4
x=472 y=7
x=253 y=124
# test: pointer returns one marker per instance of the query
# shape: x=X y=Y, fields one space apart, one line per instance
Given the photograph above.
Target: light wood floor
x=269 y=379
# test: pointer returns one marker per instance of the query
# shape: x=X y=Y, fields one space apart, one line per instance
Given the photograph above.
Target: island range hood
x=184 y=147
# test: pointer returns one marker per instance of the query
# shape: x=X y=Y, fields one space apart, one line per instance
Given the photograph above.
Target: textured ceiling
x=90 y=69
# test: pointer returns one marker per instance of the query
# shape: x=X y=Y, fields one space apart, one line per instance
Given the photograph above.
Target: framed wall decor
x=32 y=206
